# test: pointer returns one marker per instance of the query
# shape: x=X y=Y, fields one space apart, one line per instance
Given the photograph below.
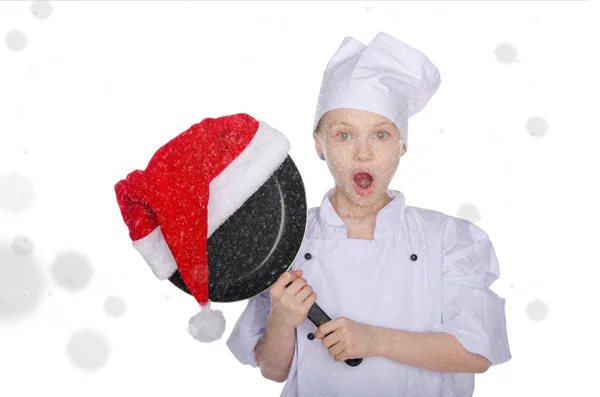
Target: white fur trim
x=246 y=174
x=156 y=253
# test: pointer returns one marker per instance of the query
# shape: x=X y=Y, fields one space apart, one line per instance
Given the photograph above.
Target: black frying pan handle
x=317 y=316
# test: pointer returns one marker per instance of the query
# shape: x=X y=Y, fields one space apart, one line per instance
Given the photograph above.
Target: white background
x=100 y=86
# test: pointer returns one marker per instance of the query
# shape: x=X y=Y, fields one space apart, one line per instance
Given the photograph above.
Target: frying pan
x=260 y=242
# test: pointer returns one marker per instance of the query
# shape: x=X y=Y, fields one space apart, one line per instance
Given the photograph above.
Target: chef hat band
x=387 y=77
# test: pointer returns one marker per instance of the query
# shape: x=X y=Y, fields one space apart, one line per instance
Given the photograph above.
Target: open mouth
x=363 y=182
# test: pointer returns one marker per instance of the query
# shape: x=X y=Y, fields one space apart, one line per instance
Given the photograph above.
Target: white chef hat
x=387 y=77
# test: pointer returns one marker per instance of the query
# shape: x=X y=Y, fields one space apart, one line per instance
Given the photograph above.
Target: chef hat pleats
x=189 y=188
x=387 y=77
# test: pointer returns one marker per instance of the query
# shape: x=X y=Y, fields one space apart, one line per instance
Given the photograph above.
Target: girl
x=407 y=288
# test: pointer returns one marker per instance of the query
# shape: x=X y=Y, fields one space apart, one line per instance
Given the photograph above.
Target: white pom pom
x=208 y=325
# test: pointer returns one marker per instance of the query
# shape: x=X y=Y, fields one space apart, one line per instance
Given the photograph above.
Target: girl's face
x=362 y=150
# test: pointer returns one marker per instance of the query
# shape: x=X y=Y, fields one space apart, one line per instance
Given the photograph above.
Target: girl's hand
x=290 y=305
x=345 y=338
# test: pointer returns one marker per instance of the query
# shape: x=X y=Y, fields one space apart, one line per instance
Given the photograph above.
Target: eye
x=344 y=135
x=381 y=134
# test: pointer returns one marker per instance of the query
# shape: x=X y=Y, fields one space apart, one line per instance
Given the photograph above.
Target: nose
x=363 y=151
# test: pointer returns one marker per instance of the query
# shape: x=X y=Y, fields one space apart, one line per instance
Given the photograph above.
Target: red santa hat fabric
x=189 y=188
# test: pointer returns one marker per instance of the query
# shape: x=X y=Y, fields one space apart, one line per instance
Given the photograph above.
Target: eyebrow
x=350 y=125
x=383 y=123
x=339 y=123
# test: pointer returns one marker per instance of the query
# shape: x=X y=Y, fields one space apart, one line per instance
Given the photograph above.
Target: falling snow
x=72 y=270
x=41 y=9
x=537 y=310
x=21 y=284
x=469 y=212
x=88 y=350
x=506 y=53
x=16 y=40
x=22 y=245
x=115 y=306
x=537 y=126
x=17 y=193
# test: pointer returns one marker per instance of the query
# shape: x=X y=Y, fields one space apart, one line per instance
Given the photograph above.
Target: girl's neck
x=347 y=210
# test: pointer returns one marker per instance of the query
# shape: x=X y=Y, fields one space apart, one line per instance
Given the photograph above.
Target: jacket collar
x=387 y=222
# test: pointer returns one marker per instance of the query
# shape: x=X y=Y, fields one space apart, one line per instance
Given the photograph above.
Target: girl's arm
x=275 y=350
x=472 y=335
x=436 y=351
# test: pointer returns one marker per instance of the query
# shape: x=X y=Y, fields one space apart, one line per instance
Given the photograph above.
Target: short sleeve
x=249 y=328
x=471 y=311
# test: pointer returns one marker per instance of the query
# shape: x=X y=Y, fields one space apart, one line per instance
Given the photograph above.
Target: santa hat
x=189 y=188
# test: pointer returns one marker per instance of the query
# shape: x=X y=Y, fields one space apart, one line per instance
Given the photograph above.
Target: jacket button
x=310 y=336
x=413 y=257
x=308 y=256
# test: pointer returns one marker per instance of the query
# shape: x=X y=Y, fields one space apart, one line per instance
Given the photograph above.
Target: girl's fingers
x=296 y=286
x=310 y=300
x=336 y=347
x=285 y=279
x=304 y=293
x=332 y=339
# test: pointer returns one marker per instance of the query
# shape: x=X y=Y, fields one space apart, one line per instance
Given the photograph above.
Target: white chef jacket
x=445 y=288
